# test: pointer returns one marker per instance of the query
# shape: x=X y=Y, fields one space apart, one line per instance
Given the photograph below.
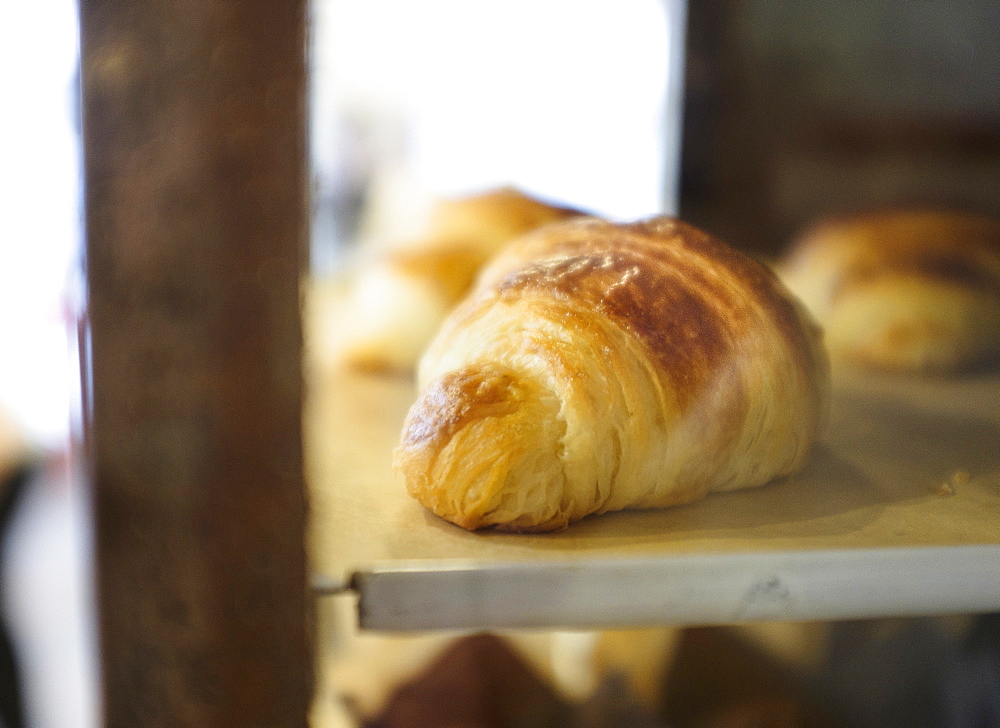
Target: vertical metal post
x=195 y=173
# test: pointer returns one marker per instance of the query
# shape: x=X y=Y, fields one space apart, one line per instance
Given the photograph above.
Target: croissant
x=400 y=298
x=904 y=290
x=600 y=366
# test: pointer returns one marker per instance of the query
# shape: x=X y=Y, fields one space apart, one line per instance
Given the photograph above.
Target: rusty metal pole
x=196 y=222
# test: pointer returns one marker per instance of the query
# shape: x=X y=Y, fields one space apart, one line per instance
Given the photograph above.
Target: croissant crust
x=599 y=366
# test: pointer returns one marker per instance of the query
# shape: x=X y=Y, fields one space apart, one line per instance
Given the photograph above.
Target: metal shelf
x=897 y=513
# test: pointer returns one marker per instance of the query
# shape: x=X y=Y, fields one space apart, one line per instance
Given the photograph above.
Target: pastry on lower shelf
x=599 y=367
x=480 y=681
x=400 y=298
x=904 y=290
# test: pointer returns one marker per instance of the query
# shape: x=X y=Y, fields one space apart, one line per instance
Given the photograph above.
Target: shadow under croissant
x=829 y=490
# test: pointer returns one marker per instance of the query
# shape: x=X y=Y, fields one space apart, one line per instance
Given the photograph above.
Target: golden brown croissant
x=915 y=290
x=598 y=367
x=400 y=298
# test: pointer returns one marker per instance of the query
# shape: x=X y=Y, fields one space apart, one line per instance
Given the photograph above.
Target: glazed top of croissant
x=687 y=328
x=942 y=245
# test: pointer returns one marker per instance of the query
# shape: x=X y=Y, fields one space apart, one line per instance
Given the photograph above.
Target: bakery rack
x=196 y=208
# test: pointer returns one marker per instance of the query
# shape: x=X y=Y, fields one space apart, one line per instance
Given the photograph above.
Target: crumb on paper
x=944 y=489
x=950 y=486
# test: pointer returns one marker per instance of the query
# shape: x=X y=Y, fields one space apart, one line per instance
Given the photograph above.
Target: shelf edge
x=681 y=590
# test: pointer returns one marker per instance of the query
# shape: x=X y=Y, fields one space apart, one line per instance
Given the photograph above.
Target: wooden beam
x=195 y=165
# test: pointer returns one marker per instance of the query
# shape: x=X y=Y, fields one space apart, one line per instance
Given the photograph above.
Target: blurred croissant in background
x=902 y=290
x=401 y=295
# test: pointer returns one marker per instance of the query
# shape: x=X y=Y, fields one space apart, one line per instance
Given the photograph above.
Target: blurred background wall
x=800 y=108
x=791 y=108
